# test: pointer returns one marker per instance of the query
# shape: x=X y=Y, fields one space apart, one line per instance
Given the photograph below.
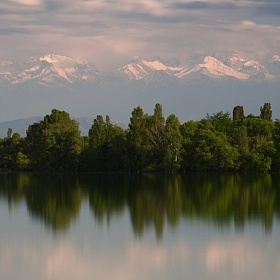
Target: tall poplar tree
x=266 y=112
x=238 y=113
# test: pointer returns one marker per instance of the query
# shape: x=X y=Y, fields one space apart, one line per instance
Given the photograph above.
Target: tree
x=261 y=157
x=188 y=130
x=11 y=156
x=276 y=141
x=172 y=143
x=210 y=151
x=238 y=113
x=155 y=137
x=242 y=140
x=259 y=131
x=106 y=145
x=136 y=138
x=9 y=133
x=221 y=122
x=54 y=143
x=266 y=112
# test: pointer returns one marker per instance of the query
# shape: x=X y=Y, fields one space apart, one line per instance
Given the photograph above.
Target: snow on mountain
x=58 y=70
x=6 y=71
x=233 y=67
x=234 y=61
x=213 y=68
x=49 y=70
x=139 y=69
x=275 y=58
x=256 y=70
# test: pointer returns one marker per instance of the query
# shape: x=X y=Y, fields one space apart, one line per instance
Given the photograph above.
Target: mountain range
x=57 y=70
x=189 y=88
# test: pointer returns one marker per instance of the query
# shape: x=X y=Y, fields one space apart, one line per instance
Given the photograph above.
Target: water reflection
x=139 y=227
x=152 y=200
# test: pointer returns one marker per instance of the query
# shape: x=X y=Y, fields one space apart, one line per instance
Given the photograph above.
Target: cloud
x=103 y=29
x=26 y=2
x=205 y=5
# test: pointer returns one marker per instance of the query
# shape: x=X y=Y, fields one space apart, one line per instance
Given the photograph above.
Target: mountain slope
x=139 y=69
x=51 y=70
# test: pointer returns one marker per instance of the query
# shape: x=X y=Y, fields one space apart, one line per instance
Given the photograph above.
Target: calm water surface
x=139 y=227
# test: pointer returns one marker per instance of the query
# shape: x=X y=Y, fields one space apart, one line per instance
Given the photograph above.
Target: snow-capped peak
x=211 y=61
x=234 y=61
x=53 y=69
x=275 y=58
x=252 y=63
x=213 y=67
x=235 y=58
x=59 y=60
x=139 y=69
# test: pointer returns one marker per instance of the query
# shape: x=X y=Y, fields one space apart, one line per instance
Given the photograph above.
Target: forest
x=151 y=143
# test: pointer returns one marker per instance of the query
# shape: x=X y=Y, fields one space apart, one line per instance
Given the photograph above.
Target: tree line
x=217 y=142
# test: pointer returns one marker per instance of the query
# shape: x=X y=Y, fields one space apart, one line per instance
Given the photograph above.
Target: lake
x=141 y=226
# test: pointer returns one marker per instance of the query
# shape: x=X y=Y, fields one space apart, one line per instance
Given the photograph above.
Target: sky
x=110 y=33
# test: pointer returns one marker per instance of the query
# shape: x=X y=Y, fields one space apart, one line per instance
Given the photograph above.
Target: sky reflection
x=195 y=250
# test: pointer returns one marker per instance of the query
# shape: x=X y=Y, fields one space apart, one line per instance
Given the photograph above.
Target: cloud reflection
x=65 y=260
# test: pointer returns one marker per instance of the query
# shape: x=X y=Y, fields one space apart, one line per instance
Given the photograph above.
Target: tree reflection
x=152 y=200
x=55 y=200
x=106 y=195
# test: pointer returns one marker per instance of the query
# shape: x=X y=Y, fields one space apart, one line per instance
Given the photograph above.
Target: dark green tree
x=172 y=143
x=222 y=122
x=266 y=112
x=238 y=113
x=188 y=130
x=276 y=141
x=137 y=140
x=259 y=131
x=210 y=150
x=11 y=153
x=9 y=133
x=54 y=143
x=106 y=145
x=155 y=136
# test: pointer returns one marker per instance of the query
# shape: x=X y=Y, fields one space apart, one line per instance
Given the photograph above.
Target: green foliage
x=106 y=150
x=54 y=143
x=266 y=112
x=261 y=157
x=215 y=143
x=238 y=113
x=172 y=143
x=222 y=122
x=155 y=138
x=136 y=137
x=259 y=131
x=10 y=151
